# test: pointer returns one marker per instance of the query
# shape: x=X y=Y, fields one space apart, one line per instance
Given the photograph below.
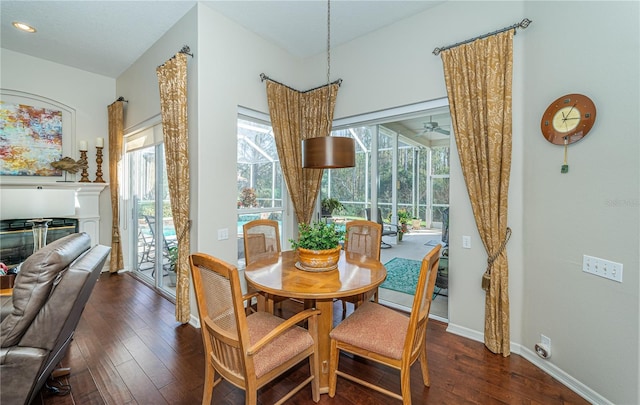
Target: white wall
x=394 y=66
x=231 y=60
x=594 y=209
x=223 y=75
x=139 y=85
x=88 y=93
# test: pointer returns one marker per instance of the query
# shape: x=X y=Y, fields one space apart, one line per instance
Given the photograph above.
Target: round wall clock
x=568 y=119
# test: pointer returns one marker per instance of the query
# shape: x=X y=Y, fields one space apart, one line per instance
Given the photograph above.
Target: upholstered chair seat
x=375 y=328
x=283 y=348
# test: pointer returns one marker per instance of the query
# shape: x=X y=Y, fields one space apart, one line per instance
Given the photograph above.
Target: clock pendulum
x=567 y=120
x=565 y=166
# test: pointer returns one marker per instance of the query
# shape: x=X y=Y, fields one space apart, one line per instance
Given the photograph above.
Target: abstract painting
x=30 y=140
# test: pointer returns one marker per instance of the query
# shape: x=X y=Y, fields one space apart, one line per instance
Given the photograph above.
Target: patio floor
x=414 y=245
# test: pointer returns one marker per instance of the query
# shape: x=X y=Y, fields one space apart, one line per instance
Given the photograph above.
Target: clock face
x=568 y=119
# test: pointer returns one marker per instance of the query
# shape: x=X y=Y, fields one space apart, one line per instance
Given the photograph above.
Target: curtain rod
x=522 y=24
x=185 y=49
x=120 y=99
x=264 y=77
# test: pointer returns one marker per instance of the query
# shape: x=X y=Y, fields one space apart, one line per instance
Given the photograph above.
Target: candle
x=99 y=142
x=83 y=145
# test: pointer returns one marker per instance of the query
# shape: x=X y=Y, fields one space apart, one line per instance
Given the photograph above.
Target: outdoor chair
x=387 y=228
x=166 y=244
x=248 y=351
x=262 y=236
x=362 y=237
x=145 y=248
x=387 y=336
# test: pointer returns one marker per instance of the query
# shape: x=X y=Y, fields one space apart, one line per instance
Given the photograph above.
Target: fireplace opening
x=16 y=237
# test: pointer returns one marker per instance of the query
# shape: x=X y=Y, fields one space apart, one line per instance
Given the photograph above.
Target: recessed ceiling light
x=23 y=27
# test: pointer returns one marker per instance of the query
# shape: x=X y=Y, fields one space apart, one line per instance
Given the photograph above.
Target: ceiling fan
x=433 y=126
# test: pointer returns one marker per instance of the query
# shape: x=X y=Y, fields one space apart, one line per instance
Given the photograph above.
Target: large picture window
x=261 y=191
x=402 y=165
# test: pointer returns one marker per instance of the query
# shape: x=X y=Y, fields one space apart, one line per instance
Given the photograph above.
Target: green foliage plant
x=173 y=257
x=318 y=236
x=403 y=216
x=330 y=204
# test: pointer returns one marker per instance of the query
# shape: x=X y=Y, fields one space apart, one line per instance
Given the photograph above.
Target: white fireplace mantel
x=87 y=202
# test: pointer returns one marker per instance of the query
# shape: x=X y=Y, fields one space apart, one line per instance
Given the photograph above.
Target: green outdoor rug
x=402 y=275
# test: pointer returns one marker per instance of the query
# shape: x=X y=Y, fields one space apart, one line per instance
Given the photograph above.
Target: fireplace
x=16 y=237
x=86 y=218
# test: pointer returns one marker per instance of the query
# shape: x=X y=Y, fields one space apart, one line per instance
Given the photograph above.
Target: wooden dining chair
x=262 y=236
x=248 y=351
x=387 y=336
x=362 y=237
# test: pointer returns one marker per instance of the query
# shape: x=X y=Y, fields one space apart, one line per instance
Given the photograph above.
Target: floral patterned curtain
x=172 y=79
x=116 y=134
x=478 y=76
x=296 y=116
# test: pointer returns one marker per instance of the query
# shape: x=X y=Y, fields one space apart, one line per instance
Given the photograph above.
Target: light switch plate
x=223 y=234
x=466 y=242
x=603 y=268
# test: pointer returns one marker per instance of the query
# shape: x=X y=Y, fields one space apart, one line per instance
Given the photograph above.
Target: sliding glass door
x=387 y=175
x=151 y=231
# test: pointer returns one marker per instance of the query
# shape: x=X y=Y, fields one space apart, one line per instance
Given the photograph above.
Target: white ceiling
x=106 y=37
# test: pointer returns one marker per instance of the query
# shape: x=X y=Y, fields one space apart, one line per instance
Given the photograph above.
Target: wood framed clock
x=568 y=119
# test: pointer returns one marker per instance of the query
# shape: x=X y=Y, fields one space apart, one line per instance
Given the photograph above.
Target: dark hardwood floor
x=128 y=349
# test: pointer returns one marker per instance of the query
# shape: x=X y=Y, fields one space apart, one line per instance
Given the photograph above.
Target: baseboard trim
x=465 y=332
x=562 y=376
x=194 y=321
x=554 y=371
x=394 y=305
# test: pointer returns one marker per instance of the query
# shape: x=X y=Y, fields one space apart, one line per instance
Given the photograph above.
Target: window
x=351 y=186
x=439 y=182
x=402 y=163
x=261 y=189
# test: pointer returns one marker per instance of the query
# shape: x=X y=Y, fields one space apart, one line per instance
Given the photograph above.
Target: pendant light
x=328 y=152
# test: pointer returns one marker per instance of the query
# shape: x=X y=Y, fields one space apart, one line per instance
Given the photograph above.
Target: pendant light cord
x=329 y=65
x=328 y=42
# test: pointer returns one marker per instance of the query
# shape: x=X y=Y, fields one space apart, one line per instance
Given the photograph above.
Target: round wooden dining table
x=277 y=274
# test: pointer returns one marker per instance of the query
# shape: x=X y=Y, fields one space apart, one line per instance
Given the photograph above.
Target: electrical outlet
x=603 y=268
x=545 y=341
x=543 y=349
x=466 y=242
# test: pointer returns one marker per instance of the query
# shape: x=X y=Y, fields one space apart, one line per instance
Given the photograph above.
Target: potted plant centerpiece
x=328 y=205
x=318 y=246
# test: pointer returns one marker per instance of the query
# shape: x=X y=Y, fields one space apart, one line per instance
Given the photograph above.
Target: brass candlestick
x=99 y=178
x=85 y=165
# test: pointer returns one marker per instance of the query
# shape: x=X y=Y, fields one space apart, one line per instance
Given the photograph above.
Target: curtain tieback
x=184 y=231
x=486 y=277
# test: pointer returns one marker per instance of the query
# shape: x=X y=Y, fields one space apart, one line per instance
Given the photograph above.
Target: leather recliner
x=38 y=323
